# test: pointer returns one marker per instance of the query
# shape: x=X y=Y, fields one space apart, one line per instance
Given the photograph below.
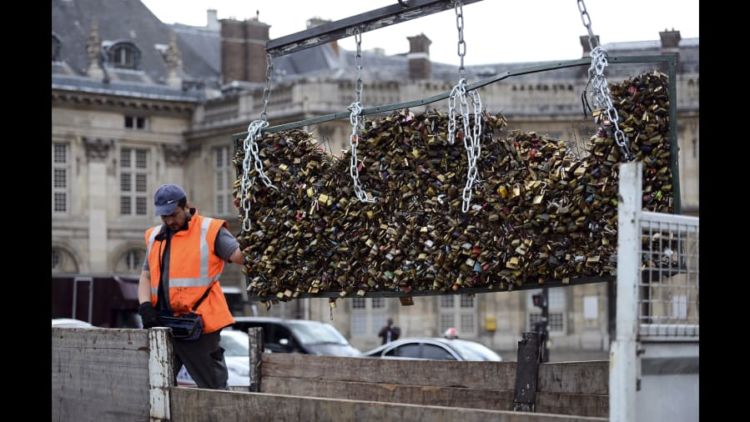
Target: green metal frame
x=669 y=59
x=463 y=291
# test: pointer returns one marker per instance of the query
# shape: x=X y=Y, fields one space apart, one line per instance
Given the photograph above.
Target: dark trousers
x=203 y=359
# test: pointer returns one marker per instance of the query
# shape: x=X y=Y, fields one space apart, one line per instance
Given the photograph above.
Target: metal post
x=622 y=353
x=611 y=309
x=256 y=357
x=527 y=372
x=160 y=373
x=77 y=280
x=545 y=330
x=673 y=138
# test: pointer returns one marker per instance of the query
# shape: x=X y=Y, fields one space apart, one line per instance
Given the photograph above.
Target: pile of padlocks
x=538 y=211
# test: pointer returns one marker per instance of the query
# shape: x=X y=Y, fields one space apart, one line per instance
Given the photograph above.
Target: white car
x=70 y=323
x=236 y=346
x=434 y=348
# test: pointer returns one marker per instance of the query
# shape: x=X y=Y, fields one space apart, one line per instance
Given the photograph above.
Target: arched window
x=63 y=261
x=131 y=261
x=124 y=55
x=56 y=45
x=56 y=259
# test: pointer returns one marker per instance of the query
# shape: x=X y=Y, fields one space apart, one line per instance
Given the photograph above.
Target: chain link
x=457 y=99
x=250 y=146
x=602 y=97
x=471 y=136
x=586 y=19
x=357 y=121
x=358 y=63
x=267 y=88
x=459 y=7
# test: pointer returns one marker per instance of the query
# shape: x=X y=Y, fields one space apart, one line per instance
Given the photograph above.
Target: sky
x=495 y=31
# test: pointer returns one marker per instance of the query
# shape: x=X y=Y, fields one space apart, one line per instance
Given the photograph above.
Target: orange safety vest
x=193 y=265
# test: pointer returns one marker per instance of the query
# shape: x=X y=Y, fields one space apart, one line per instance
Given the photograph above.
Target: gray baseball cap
x=167 y=197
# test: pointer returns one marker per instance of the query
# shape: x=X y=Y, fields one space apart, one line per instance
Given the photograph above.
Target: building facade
x=137 y=103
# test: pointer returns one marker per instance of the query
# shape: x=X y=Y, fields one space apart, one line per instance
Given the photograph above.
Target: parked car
x=236 y=346
x=70 y=323
x=435 y=348
x=298 y=336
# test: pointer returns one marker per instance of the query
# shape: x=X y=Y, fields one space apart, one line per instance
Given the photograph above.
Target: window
x=557 y=306
x=467 y=323
x=124 y=55
x=446 y=321
x=56 y=259
x=63 y=261
x=135 y=122
x=406 y=351
x=591 y=308
x=679 y=307
x=459 y=314
x=368 y=316
x=60 y=177
x=359 y=324
x=223 y=180
x=133 y=181
x=431 y=351
x=131 y=261
x=358 y=303
x=134 y=259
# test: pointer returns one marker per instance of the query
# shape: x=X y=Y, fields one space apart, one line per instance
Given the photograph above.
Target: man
x=390 y=332
x=184 y=259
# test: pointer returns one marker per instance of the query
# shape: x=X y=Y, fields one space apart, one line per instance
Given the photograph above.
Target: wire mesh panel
x=668 y=296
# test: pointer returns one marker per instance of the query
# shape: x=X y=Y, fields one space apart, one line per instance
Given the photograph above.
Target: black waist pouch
x=187 y=327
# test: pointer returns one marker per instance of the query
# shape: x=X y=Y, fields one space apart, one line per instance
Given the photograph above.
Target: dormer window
x=56 y=44
x=124 y=55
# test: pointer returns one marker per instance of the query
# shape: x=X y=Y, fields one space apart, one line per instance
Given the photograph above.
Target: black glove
x=149 y=315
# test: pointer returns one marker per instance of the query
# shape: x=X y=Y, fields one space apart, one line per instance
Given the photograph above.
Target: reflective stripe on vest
x=151 y=237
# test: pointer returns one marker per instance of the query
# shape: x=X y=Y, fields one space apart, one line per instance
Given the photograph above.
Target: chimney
x=243 y=50
x=212 y=22
x=420 y=66
x=670 y=40
x=313 y=22
x=585 y=44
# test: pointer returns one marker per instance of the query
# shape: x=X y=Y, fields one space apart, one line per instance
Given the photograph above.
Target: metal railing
x=668 y=286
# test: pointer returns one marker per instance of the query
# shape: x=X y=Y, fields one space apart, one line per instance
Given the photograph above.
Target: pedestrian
x=389 y=332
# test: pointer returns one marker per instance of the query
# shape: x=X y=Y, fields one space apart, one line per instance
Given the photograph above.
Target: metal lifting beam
x=379 y=18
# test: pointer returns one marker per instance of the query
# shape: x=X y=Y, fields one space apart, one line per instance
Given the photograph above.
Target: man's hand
x=149 y=315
